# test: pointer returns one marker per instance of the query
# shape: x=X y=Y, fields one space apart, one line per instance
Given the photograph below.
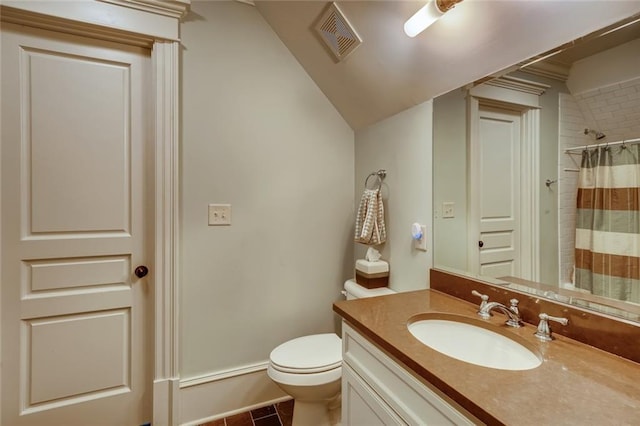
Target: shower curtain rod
x=582 y=148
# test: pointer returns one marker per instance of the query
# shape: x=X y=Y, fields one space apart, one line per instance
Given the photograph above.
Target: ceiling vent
x=337 y=33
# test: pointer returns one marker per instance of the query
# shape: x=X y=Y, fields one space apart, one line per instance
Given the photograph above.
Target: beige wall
x=257 y=133
x=450 y=179
x=401 y=145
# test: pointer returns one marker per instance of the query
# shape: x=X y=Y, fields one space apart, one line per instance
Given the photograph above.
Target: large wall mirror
x=508 y=162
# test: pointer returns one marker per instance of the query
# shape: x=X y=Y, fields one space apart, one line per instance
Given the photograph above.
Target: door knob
x=480 y=243
x=141 y=271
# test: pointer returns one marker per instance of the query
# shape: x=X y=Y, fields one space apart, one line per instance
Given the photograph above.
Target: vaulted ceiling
x=390 y=72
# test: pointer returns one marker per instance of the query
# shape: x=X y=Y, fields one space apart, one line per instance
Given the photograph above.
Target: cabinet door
x=414 y=401
x=361 y=406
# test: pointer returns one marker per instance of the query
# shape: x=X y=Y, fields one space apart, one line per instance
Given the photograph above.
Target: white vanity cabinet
x=376 y=390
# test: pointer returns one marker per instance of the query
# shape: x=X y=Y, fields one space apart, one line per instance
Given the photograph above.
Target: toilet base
x=318 y=413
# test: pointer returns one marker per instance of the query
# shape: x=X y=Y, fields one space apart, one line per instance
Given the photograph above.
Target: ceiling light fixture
x=427 y=15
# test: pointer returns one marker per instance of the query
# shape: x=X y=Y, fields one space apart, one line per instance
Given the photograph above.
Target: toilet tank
x=353 y=290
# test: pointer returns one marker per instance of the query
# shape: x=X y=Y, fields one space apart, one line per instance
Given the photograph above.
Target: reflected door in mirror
x=498 y=193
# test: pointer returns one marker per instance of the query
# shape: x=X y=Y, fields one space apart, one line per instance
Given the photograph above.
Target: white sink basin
x=472 y=341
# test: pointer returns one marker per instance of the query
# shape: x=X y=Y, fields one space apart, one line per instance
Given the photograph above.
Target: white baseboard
x=222 y=394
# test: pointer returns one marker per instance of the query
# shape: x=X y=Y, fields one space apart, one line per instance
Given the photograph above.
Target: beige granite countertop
x=576 y=384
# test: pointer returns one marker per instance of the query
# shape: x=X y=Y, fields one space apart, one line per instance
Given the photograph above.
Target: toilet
x=309 y=368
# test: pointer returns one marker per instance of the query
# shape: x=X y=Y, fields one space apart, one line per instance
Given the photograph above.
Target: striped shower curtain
x=607 y=251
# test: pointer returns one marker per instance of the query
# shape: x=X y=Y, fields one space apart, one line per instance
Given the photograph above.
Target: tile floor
x=279 y=414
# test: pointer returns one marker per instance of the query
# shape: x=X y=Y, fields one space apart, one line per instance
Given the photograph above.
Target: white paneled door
x=76 y=319
x=498 y=190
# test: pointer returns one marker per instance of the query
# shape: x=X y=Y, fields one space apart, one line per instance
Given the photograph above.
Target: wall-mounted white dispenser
x=419 y=235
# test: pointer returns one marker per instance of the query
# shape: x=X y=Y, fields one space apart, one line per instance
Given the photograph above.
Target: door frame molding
x=153 y=24
x=165 y=57
x=519 y=95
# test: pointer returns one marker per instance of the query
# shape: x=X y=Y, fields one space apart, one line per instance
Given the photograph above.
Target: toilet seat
x=316 y=353
x=307 y=361
x=304 y=379
x=306 y=370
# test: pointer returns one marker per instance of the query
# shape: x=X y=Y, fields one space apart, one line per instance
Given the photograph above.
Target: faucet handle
x=484 y=297
x=483 y=304
x=544 y=331
x=562 y=321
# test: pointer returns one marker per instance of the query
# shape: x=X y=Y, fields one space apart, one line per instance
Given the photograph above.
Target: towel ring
x=380 y=175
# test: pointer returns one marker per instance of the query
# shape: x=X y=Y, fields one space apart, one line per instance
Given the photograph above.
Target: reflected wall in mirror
x=505 y=187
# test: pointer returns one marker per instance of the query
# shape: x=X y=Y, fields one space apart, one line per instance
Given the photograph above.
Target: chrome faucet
x=512 y=311
x=544 y=331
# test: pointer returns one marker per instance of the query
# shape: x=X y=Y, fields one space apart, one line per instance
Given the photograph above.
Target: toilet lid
x=308 y=354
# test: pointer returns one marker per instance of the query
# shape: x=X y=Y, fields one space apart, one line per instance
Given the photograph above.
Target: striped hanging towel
x=370 y=228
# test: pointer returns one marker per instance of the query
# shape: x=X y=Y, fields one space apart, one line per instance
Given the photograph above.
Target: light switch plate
x=219 y=214
x=448 y=209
